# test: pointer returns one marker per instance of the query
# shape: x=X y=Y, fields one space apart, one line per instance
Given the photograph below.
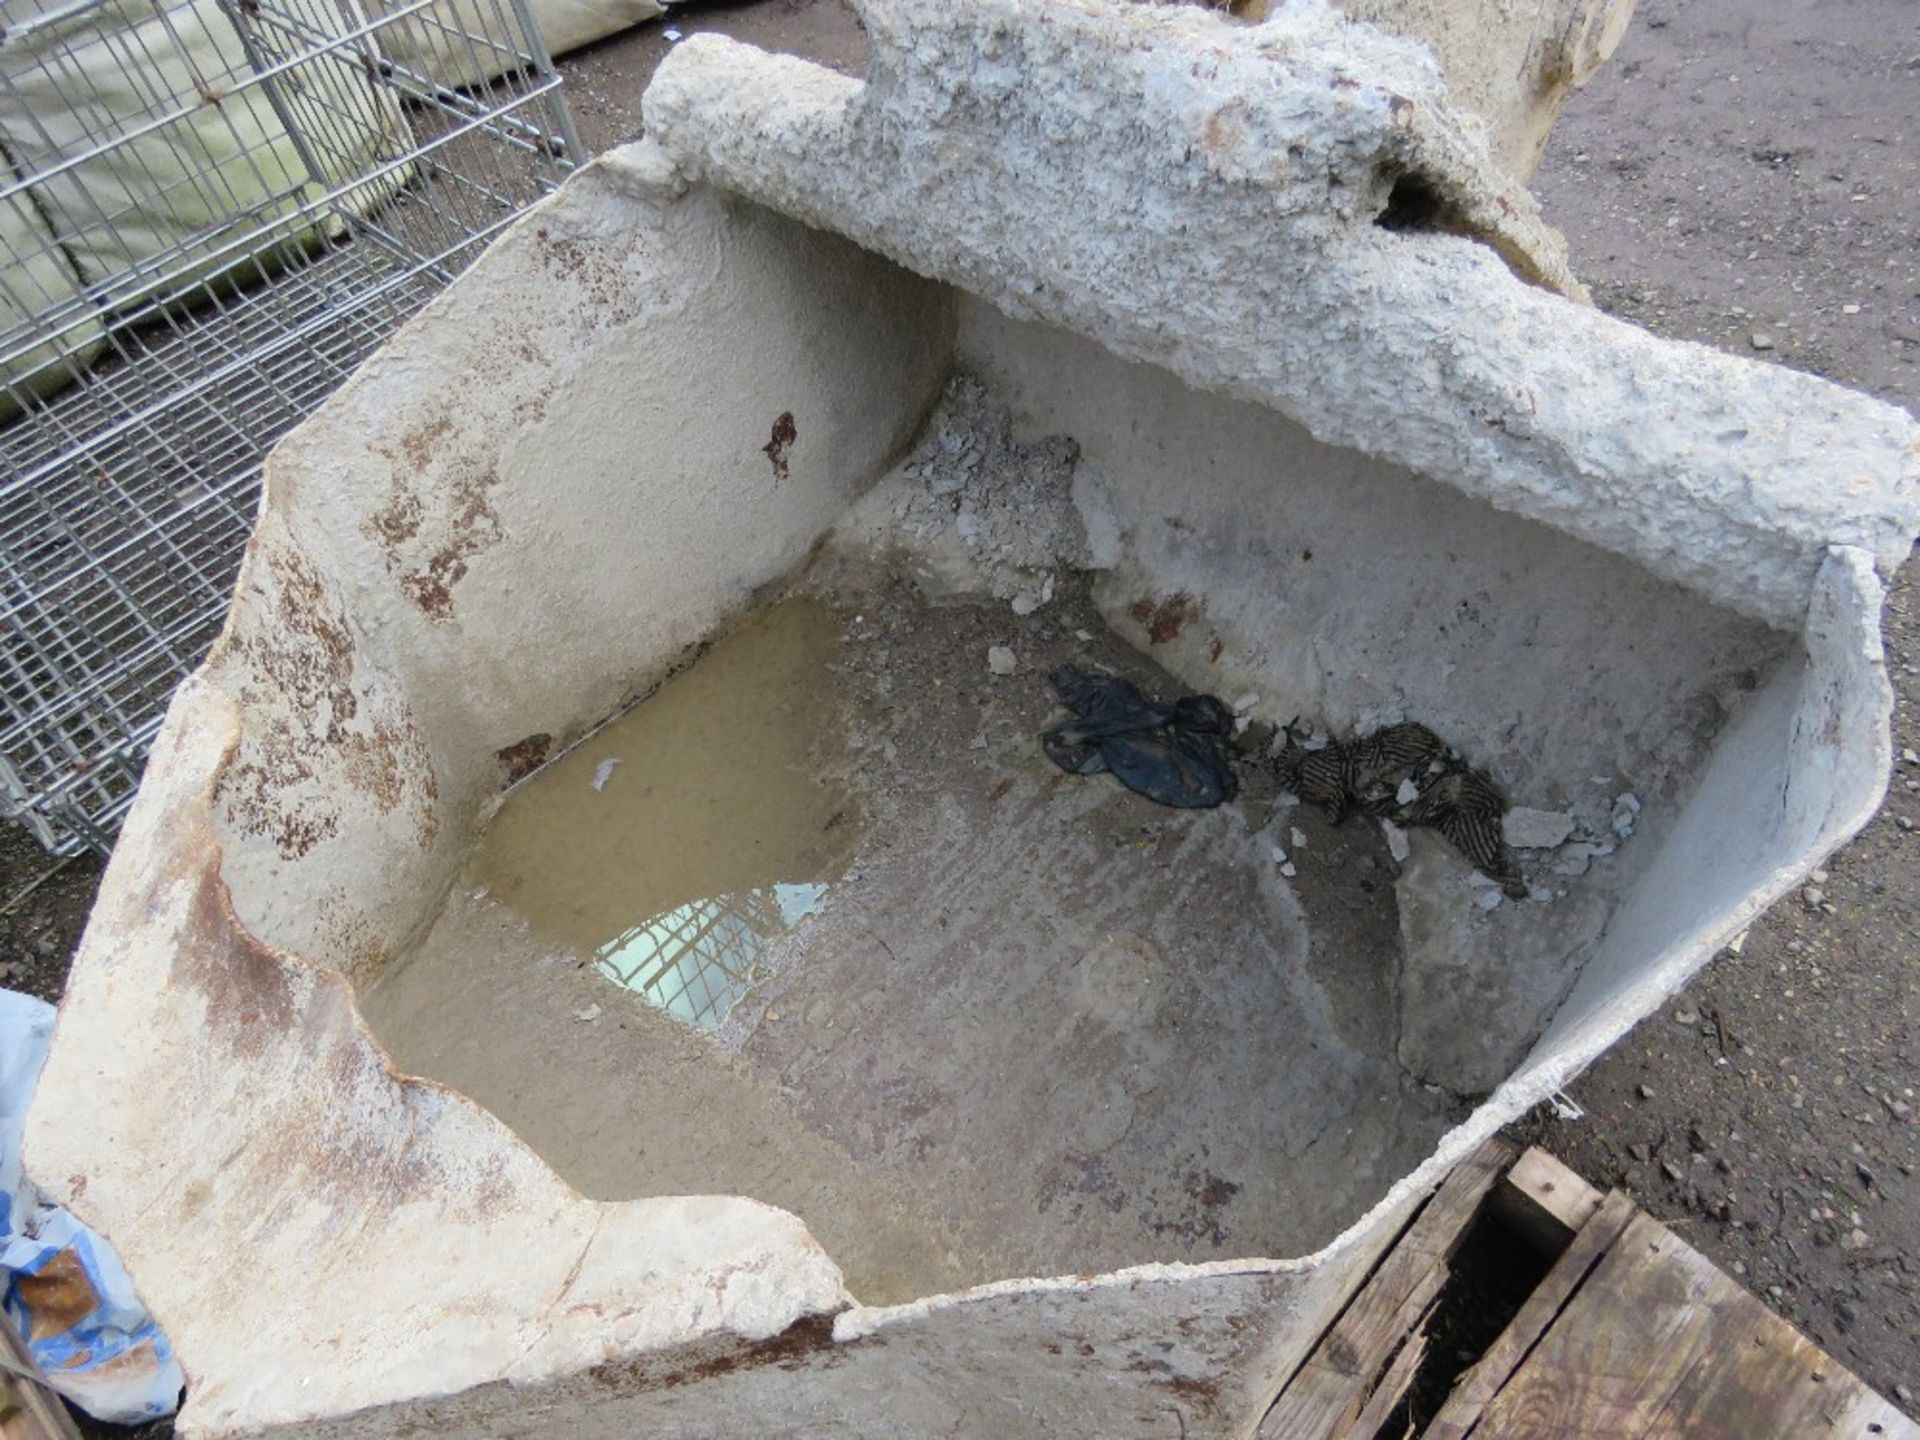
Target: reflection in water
x=676 y=844
x=695 y=961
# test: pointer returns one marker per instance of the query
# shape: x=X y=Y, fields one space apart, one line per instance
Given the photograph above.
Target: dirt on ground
x=45 y=907
x=1742 y=174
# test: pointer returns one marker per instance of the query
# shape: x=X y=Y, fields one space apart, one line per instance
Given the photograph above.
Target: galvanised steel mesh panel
x=210 y=212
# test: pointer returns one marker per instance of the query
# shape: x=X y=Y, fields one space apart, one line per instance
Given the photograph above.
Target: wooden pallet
x=1630 y=1333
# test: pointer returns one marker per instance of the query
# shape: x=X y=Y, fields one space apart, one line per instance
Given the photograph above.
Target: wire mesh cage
x=210 y=212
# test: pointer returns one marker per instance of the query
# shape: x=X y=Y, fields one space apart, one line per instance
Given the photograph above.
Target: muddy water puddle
x=678 y=842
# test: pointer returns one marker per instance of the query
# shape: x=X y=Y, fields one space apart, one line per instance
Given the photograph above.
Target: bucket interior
x=750 y=875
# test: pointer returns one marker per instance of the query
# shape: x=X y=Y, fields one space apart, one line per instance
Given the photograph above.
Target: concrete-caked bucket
x=1221 y=355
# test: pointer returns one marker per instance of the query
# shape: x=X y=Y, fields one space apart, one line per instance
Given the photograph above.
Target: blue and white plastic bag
x=62 y=1287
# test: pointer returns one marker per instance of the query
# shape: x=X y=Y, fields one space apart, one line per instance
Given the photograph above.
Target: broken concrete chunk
x=1577 y=857
x=1527 y=829
x=1626 y=815
x=1000 y=660
x=1396 y=841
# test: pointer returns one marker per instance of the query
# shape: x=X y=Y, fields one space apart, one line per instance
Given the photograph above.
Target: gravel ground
x=46 y=903
x=1741 y=174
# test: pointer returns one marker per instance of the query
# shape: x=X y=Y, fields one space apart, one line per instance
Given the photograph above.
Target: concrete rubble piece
x=1288 y=384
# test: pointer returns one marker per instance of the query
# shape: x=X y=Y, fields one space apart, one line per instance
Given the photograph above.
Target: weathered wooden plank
x=28 y=1409
x=1478 y=1385
x=1353 y=1359
x=1398 y=1376
x=1764 y=1378
x=1659 y=1344
x=1545 y=1201
x=15 y=1422
x=1778 y=1383
x=1616 y=1352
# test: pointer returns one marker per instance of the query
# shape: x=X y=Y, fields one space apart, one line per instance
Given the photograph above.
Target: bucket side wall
x=1251 y=559
x=542 y=496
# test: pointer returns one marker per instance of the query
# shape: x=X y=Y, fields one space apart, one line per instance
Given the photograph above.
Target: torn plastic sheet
x=62 y=1286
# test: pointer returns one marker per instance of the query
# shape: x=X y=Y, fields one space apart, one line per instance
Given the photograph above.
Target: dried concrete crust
x=340 y=1250
x=1202 y=196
